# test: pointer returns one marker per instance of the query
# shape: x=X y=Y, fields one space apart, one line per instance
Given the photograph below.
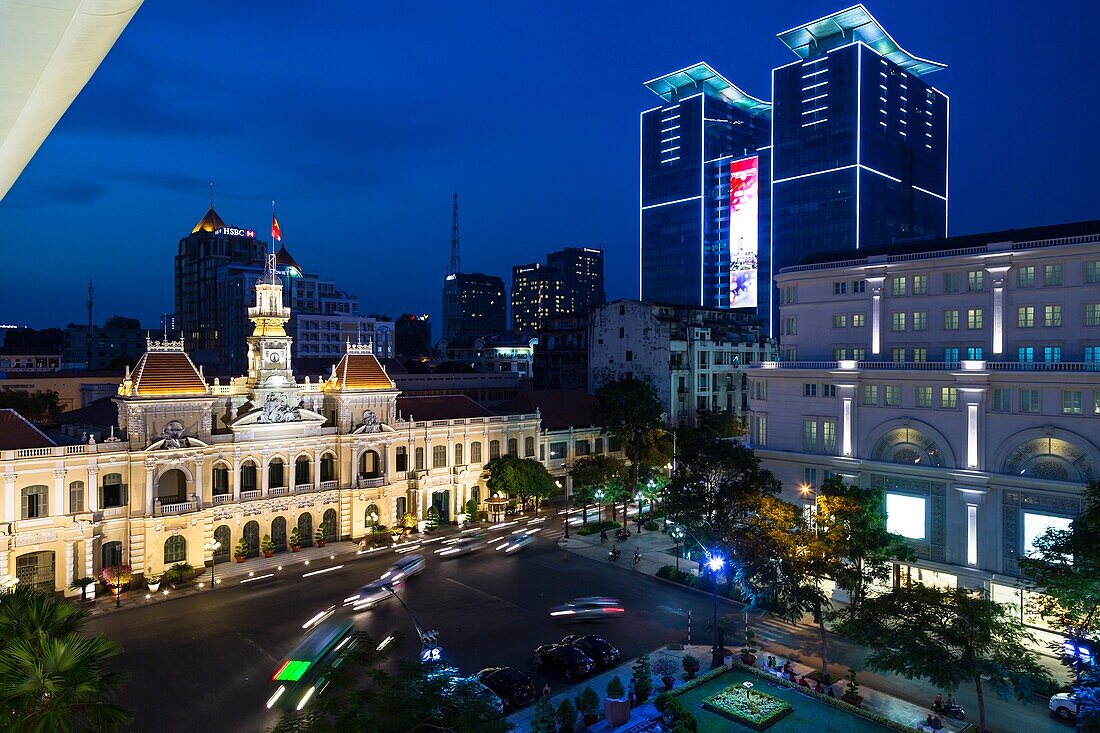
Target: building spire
x=456 y=258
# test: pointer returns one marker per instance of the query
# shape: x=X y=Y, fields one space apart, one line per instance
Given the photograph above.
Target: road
x=204 y=662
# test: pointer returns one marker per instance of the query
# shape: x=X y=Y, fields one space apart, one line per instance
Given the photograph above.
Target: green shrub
x=567 y=716
x=594 y=528
x=588 y=702
x=432 y=518
x=472 y=510
x=180 y=572
x=661 y=700
x=642 y=677
x=615 y=690
x=690 y=665
x=295 y=537
x=319 y=535
x=651 y=526
x=266 y=545
x=242 y=548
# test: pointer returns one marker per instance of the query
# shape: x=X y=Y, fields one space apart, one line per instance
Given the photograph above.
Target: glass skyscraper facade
x=688 y=145
x=860 y=141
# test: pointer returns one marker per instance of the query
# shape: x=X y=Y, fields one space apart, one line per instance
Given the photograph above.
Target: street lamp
x=598 y=496
x=373 y=517
x=212 y=546
x=677 y=534
x=8 y=584
x=430 y=650
x=638 y=500
x=715 y=563
x=558 y=482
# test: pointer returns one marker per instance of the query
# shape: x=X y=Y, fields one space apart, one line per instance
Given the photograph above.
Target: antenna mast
x=456 y=258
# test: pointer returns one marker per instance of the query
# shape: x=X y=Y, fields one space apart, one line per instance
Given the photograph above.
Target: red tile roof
x=560 y=408
x=17 y=432
x=439 y=407
x=361 y=371
x=166 y=373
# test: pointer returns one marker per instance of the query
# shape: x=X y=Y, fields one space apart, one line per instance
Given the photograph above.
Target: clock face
x=274 y=357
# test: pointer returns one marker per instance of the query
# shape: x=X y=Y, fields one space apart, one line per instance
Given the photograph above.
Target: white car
x=516 y=543
x=371 y=594
x=406 y=567
x=1063 y=705
x=464 y=546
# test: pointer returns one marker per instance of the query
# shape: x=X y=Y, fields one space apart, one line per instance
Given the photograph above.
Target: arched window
x=439 y=456
x=35 y=502
x=419 y=459
x=175 y=549
x=76 y=497
x=328 y=468
x=111 y=554
x=458 y=454
x=223 y=537
x=301 y=471
x=114 y=491
x=475 y=452
x=513 y=447
x=332 y=525
x=276 y=476
x=248 y=477
x=528 y=447
x=494 y=450
x=221 y=480
x=278 y=533
x=401 y=459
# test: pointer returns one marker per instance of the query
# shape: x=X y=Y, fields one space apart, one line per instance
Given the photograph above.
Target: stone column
x=148 y=490
x=200 y=499
x=263 y=474
x=316 y=471
x=875 y=284
x=236 y=479
x=998 y=275
x=11 y=513
x=93 y=489
x=57 y=500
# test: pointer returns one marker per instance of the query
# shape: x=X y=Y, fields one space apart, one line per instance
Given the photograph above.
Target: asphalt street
x=204 y=662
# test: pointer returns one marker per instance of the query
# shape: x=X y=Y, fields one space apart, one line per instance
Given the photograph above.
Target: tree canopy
x=523 y=478
x=41 y=407
x=628 y=410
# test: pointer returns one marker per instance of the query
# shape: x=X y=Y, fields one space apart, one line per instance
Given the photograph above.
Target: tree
x=615 y=689
x=53 y=678
x=42 y=407
x=949 y=637
x=629 y=411
x=545 y=720
x=642 y=678
x=522 y=478
x=710 y=425
x=567 y=716
x=588 y=702
x=591 y=473
x=472 y=510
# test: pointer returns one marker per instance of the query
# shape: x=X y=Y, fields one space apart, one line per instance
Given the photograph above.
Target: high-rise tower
x=456 y=257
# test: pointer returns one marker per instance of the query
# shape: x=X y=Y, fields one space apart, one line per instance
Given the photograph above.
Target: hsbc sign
x=234 y=232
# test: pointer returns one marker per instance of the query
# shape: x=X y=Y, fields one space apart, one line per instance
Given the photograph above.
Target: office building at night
x=412 y=336
x=704 y=198
x=474 y=305
x=537 y=293
x=581 y=272
x=860 y=141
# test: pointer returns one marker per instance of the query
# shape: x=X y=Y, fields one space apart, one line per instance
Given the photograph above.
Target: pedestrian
x=937 y=724
x=819 y=689
x=771 y=662
x=546 y=690
x=803 y=682
x=831 y=693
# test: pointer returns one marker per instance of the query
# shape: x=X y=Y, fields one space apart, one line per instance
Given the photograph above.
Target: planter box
x=724 y=704
x=616 y=712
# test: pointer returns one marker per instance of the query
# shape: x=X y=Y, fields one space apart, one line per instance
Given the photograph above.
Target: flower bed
x=753 y=708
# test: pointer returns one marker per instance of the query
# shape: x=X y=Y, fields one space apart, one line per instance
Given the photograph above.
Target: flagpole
x=273 y=220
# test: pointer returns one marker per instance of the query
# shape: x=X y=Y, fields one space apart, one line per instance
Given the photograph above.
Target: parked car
x=1063 y=705
x=371 y=594
x=588 y=609
x=515 y=543
x=404 y=568
x=464 y=546
x=513 y=687
x=568 y=660
x=602 y=652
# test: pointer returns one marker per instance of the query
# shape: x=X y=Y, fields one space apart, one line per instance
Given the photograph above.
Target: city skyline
x=130 y=171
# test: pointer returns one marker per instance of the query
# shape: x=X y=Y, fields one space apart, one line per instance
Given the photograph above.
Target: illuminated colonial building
x=194 y=461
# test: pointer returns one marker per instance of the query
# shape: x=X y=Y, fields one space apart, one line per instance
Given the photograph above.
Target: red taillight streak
x=279 y=670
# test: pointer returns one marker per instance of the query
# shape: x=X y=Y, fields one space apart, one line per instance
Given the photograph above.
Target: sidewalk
x=657 y=548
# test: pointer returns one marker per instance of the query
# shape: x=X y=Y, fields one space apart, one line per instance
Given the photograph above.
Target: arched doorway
x=278 y=533
x=252 y=538
x=110 y=554
x=332 y=526
x=36 y=570
x=224 y=539
x=441 y=500
x=370 y=465
x=172 y=487
x=248 y=476
x=305 y=528
x=301 y=471
x=276 y=474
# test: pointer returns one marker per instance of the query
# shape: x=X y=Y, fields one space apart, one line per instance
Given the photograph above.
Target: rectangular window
x=1092 y=354
x=870 y=394
x=1025 y=354
x=76 y=497
x=828 y=390
x=761 y=430
x=950 y=282
x=1002 y=399
x=859 y=354
x=840 y=353
x=1071 y=402
x=974 y=318
x=1025 y=316
x=1092 y=314
x=897 y=321
x=949 y=398
x=840 y=320
x=891 y=394
x=1092 y=272
x=1025 y=277
x=951 y=353
x=924 y=396
x=897 y=286
x=557 y=450
x=790 y=294
x=791 y=325
x=809 y=390
x=1052 y=354
x=1096 y=402
x=809 y=476
x=1029 y=400
x=951 y=320
x=859 y=320
x=975 y=281
x=905 y=515
x=920 y=353
x=809 y=436
x=1052 y=275
x=859 y=286
x=1052 y=316
x=975 y=353
x=897 y=355
x=35 y=504
x=840 y=288
x=828 y=436
x=920 y=320
x=920 y=284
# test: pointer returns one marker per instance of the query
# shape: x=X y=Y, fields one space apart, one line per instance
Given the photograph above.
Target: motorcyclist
x=615 y=552
x=603 y=535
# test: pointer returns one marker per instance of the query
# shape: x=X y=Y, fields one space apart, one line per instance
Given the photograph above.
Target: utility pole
x=88 y=349
x=456 y=258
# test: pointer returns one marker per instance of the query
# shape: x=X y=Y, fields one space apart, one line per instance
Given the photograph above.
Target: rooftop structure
x=701 y=77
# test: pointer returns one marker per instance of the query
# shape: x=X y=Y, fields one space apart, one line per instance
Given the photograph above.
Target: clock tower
x=269 y=344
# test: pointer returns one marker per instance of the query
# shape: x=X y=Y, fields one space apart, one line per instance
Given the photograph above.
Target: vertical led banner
x=744 y=231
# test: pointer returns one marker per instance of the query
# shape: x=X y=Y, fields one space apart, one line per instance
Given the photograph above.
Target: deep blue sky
x=361 y=120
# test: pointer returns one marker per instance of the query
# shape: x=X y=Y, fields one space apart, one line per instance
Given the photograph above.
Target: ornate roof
x=359 y=369
x=164 y=370
x=209 y=223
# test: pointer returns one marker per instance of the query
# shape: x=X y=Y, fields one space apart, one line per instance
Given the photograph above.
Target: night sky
x=360 y=119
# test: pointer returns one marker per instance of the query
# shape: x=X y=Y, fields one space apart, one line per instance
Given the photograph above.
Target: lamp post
x=638 y=519
x=598 y=496
x=8 y=584
x=212 y=546
x=430 y=650
x=677 y=533
x=558 y=482
x=373 y=517
x=715 y=562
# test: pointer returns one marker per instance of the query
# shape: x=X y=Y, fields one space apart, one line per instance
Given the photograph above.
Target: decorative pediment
x=277 y=409
x=174 y=437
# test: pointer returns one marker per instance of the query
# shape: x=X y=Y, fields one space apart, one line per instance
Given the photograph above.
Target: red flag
x=276 y=233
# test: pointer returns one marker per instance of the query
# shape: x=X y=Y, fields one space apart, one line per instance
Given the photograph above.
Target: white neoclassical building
x=962 y=375
x=194 y=461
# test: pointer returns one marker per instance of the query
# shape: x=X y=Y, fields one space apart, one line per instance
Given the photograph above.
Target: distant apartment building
x=412 y=336
x=962 y=375
x=694 y=358
x=501 y=353
x=561 y=354
x=118 y=342
x=474 y=304
x=537 y=293
x=582 y=277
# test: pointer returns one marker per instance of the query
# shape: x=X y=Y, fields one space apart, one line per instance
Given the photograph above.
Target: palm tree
x=27 y=612
x=59 y=684
x=725 y=626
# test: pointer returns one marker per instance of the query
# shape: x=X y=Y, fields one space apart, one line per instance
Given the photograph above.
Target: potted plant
x=691 y=666
x=471 y=510
x=152 y=580
x=432 y=518
x=295 y=540
x=616 y=708
x=748 y=652
x=241 y=551
x=642 y=677
x=116 y=576
x=588 y=702
x=319 y=535
x=666 y=668
x=851 y=695
x=179 y=572
x=267 y=547
x=82 y=584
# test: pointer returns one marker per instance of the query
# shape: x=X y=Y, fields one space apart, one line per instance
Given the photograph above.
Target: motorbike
x=950 y=709
x=622 y=535
x=603 y=536
x=614 y=554
x=637 y=557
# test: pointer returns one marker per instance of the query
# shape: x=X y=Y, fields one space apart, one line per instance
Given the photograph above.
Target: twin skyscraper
x=850 y=153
